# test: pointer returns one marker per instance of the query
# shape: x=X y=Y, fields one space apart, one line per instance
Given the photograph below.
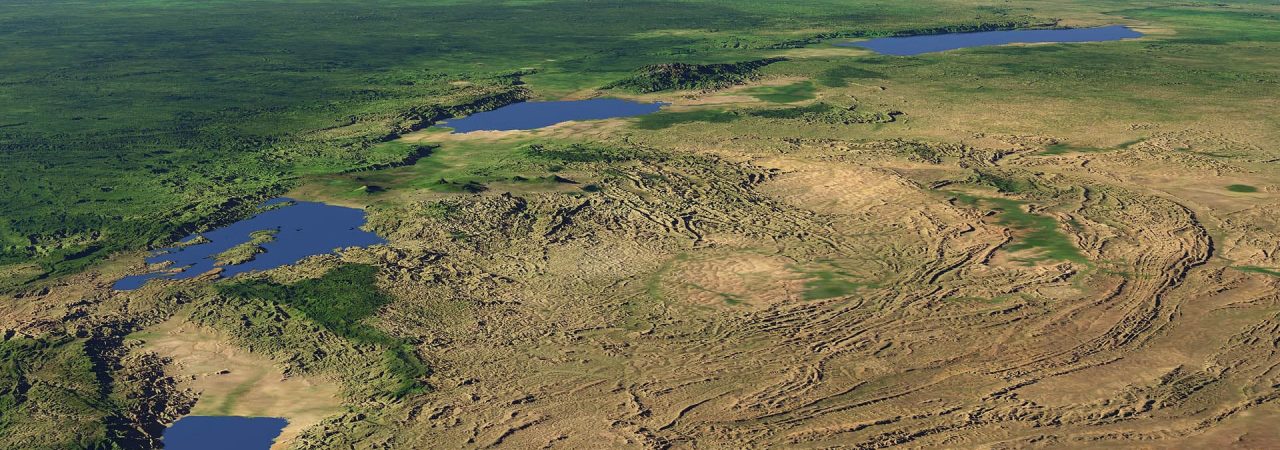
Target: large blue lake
x=531 y=115
x=915 y=45
x=302 y=229
x=222 y=433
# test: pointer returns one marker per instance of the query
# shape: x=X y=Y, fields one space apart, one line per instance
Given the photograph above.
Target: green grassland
x=790 y=93
x=666 y=119
x=456 y=167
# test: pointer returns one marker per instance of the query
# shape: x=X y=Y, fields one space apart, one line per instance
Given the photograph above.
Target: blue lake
x=531 y=115
x=222 y=433
x=302 y=229
x=915 y=45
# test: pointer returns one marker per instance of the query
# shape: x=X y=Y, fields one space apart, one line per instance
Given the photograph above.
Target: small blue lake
x=531 y=115
x=301 y=229
x=915 y=45
x=222 y=433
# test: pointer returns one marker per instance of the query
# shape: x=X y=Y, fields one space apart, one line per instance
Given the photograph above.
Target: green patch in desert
x=340 y=301
x=1038 y=232
x=669 y=119
x=1256 y=269
x=228 y=402
x=731 y=299
x=1002 y=183
x=1064 y=148
x=1035 y=232
x=825 y=284
x=1243 y=188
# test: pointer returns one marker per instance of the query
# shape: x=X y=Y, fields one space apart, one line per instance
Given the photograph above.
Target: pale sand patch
x=232 y=381
x=840 y=189
x=738 y=280
x=571 y=129
x=827 y=51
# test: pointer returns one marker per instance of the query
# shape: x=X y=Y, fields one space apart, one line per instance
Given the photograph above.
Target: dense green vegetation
x=1038 y=232
x=471 y=167
x=1261 y=270
x=1064 y=148
x=52 y=382
x=340 y=301
x=667 y=119
x=819 y=112
x=682 y=76
x=1242 y=188
x=1001 y=183
x=247 y=251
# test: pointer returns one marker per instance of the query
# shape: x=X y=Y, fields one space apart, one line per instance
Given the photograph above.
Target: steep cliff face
x=682 y=76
